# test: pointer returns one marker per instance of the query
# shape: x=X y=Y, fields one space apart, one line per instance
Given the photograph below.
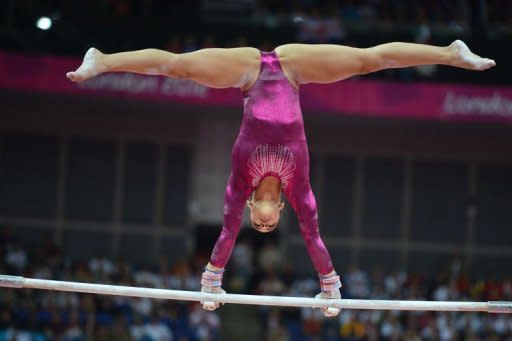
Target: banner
x=357 y=97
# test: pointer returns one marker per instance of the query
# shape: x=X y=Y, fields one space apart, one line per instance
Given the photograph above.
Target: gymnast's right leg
x=215 y=67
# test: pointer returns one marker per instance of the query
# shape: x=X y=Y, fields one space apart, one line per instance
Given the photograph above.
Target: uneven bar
x=118 y=290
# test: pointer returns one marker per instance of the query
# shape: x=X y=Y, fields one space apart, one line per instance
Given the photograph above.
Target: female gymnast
x=270 y=155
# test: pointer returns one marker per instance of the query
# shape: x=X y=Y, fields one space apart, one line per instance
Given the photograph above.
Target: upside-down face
x=264 y=214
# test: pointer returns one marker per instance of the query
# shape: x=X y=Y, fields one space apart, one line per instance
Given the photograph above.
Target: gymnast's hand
x=211 y=282
x=330 y=311
x=330 y=285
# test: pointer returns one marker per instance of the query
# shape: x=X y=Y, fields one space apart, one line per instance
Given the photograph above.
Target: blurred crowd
x=393 y=11
x=269 y=275
x=184 y=26
x=44 y=315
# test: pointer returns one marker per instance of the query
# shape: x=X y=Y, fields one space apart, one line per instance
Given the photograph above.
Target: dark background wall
x=111 y=175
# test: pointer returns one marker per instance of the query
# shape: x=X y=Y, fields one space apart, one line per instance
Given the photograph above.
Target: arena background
x=90 y=178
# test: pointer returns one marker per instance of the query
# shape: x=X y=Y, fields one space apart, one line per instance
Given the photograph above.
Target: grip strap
x=330 y=282
x=212 y=278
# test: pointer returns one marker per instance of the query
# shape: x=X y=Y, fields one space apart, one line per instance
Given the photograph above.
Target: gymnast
x=270 y=155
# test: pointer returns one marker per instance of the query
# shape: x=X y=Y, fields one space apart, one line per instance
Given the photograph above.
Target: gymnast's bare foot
x=464 y=58
x=92 y=65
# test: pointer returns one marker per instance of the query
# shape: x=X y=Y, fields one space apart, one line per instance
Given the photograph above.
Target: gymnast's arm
x=304 y=204
x=326 y=63
x=235 y=196
x=213 y=67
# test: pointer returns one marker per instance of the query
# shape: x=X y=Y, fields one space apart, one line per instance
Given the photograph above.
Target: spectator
x=350 y=11
x=357 y=283
x=205 y=324
x=190 y=43
x=16 y=257
x=352 y=327
x=390 y=328
x=74 y=332
x=208 y=41
x=272 y=285
x=269 y=257
x=174 y=44
x=102 y=268
x=242 y=266
x=137 y=329
x=157 y=331
x=120 y=329
x=312 y=322
x=142 y=305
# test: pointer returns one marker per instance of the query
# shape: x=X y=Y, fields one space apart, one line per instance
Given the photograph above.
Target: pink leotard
x=271 y=142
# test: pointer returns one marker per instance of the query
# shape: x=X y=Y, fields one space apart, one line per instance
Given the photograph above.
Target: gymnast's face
x=264 y=214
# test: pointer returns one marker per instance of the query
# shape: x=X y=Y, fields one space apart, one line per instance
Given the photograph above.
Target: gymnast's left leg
x=326 y=63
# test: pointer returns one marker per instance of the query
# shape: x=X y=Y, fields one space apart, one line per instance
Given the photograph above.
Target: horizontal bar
x=119 y=290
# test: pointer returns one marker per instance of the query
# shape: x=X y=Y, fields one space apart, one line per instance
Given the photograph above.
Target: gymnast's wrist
x=330 y=282
x=211 y=278
x=213 y=268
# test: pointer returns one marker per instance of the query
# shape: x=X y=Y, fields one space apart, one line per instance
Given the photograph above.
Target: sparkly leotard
x=271 y=142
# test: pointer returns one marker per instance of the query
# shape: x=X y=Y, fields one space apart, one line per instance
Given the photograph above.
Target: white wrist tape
x=330 y=282
x=212 y=278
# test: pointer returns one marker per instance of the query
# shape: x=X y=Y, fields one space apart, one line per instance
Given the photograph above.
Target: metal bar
x=117 y=290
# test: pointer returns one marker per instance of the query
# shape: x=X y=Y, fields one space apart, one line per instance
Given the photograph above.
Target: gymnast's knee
x=229 y=232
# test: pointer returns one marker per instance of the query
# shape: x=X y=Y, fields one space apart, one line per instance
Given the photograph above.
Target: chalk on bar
x=11 y=281
x=500 y=307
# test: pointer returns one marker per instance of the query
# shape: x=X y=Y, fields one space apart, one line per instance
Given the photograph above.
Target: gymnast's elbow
x=230 y=233
x=309 y=231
